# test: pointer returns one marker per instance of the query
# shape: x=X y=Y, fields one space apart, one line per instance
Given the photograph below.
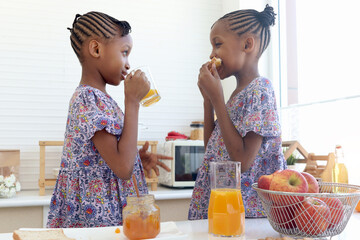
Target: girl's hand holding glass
x=136 y=85
x=153 y=95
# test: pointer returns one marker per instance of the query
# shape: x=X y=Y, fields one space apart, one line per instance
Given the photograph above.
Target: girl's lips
x=124 y=74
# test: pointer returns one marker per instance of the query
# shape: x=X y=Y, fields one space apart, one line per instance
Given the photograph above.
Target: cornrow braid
x=95 y=24
x=252 y=21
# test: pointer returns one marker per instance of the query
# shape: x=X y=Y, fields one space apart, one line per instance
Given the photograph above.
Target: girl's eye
x=218 y=45
x=125 y=53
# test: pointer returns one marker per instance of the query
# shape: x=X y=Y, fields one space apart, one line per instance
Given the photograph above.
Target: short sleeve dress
x=252 y=109
x=87 y=192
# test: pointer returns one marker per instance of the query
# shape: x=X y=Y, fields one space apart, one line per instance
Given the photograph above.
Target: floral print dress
x=252 y=109
x=87 y=192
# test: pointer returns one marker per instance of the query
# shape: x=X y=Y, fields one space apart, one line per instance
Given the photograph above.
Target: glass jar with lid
x=141 y=217
x=197 y=130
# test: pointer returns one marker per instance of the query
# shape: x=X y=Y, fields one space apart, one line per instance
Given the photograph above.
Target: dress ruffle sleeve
x=259 y=111
x=96 y=113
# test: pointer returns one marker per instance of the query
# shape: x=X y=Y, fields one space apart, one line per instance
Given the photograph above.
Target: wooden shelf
x=325 y=173
x=47 y=182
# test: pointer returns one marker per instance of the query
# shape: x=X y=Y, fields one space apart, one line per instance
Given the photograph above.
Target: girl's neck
x=93 y=79
x=244 y=78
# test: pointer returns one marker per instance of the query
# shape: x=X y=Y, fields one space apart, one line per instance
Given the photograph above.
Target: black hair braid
x=95 y=24
x=252 y=21
x=267 y=17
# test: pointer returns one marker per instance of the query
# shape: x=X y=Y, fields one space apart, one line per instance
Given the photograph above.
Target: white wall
x=39 y=71
x=269 y=61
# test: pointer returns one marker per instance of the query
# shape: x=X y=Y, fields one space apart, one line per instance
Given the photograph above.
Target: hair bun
x=267 y=17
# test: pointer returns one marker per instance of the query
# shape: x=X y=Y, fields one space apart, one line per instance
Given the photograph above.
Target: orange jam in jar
x=141 y=217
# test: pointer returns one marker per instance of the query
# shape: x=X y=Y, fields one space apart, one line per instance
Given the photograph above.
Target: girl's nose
x=127 y=66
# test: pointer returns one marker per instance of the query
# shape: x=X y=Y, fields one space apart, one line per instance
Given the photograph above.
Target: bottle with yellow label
x=340 y=170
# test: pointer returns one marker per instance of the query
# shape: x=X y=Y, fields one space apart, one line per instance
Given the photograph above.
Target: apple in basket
x=288 y=180
x=264 y=181
x=283 y=216
x=313 y=184
x=336 y=210
x=312 y=216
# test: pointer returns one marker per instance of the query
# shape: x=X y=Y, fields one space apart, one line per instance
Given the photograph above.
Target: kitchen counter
x=28 y=209
x=254 y=229
x=260 y=228
x=30 y=198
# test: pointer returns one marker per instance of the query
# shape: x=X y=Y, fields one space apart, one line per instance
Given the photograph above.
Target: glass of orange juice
x=226 y=213
x=153 y=96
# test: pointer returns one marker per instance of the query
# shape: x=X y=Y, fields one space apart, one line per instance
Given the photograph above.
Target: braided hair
x=95 y=24
x=252 y=21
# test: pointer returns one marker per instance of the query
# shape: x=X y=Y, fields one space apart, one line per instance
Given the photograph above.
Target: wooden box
x=9 y=162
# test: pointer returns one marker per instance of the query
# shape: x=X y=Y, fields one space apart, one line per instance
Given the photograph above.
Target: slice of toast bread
x=51 y=234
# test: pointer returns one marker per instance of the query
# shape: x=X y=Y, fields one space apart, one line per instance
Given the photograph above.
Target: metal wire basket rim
x=327 y=195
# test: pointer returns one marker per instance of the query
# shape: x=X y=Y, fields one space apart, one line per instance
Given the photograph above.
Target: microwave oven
x=187 y=158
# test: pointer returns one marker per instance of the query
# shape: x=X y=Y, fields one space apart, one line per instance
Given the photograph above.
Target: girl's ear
x=94 y=48
x=249 y=44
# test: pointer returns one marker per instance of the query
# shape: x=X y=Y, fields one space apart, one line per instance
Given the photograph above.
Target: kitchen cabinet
x=28 y=209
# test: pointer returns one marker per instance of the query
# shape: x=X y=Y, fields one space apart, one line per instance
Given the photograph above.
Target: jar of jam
x=141 y=217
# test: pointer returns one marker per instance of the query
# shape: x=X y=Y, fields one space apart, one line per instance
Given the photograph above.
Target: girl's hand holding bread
x=209 y=80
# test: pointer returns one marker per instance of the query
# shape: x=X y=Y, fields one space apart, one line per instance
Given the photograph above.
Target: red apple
x=288 y=181
x=282 y=216
x=313 y=216
x=264 y=181
x=312 y=182
x=336 y=210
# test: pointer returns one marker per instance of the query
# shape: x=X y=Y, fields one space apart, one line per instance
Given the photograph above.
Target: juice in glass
x=226 y=213
x=151 y=97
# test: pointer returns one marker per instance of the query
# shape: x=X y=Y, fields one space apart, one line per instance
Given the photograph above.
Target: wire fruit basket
x=310 y=215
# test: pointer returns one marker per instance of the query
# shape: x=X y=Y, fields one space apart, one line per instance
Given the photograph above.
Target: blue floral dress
x=252 y=109
x=87 y=192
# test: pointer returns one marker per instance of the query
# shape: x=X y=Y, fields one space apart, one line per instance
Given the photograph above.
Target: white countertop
x=254 y=229
x=31 y=198
x=260 y=228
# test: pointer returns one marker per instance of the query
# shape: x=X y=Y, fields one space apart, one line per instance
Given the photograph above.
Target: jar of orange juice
x=226 y=212
x=141 y=217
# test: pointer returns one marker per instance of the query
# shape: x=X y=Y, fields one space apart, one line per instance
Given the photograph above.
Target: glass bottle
x=226 y=212
x=340 y=170
x=141 y=217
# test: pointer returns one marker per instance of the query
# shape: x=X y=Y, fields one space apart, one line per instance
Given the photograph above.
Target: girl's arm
x=208 y=121
x=209 y=124
x=240 y=149
x=120 y=155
